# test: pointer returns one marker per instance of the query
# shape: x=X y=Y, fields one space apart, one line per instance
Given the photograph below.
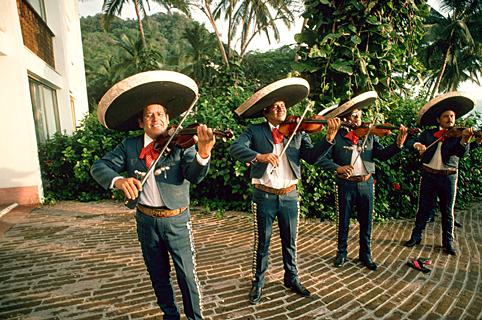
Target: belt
x=279 y=192
x=159 y=212
x=355 y=178
x=439 y=172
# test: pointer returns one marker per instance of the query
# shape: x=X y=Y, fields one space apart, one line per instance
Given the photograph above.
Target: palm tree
x=248 y=19
x=114 y=7
x=453 y=49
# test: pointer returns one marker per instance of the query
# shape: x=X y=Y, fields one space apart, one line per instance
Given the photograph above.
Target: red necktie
x=352 y=137
x=149 y=153
x=277 y=136
x=440 y=135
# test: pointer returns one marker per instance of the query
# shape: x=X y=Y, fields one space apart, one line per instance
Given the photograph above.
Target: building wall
x=20 y=179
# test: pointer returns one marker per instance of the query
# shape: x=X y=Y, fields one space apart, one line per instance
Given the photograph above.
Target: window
x=39 y=7
x=45 y=110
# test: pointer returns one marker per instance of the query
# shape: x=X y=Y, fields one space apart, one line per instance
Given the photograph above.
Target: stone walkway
x=82 y=261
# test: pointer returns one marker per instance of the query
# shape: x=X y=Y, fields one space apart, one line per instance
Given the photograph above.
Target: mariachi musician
x=440 y=149
x=352 y=161
x=147 y=101
x=275 y=174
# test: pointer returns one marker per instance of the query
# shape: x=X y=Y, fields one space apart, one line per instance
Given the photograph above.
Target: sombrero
x=119 y=107
x=460 y=103
x=360 y=102
x=289 y=90
x=327 y=110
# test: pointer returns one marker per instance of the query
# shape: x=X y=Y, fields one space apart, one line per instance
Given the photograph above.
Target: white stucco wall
x=19 y=164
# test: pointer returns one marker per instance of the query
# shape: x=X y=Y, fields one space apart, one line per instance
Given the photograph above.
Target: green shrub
x=66 y=161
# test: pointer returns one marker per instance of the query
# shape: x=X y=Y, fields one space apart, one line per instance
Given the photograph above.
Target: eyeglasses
x=151 y=116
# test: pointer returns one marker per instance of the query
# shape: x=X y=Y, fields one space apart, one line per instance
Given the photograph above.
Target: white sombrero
x=119 y=107
x=289 y=90
x=360 y=102
x=460 y=103
x=327 y=110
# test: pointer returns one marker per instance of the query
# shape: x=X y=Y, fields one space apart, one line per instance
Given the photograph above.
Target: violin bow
x=132 y=203
x=308 y=107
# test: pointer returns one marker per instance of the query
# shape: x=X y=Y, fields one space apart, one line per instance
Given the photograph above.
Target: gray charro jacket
x=340 y=154
x=258 y=139
x=451 y=151
x=173 y=187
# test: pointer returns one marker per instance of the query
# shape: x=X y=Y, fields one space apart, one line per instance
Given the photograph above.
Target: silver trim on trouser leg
x=193 y=254
x=452 y=208
x=337 y=206
x=256 y=237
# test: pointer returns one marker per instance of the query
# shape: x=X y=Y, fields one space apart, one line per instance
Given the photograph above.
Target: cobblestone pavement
x=82 y=261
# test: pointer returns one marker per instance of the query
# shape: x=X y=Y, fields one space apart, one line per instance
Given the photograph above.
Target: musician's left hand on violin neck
x=205 y=140
x=402 y=135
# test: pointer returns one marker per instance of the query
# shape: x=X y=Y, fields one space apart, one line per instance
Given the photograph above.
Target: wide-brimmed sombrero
x=459 y=102
x=360 y=102
x=327 y=110
x=289 y=90
x=119 y=107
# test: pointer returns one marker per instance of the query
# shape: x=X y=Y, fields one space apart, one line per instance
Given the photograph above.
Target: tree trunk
x=139 y=20
x=207 y=12
x=439 y=78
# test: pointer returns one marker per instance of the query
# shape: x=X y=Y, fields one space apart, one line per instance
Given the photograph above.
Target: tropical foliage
x=351 y=46
x=346 y=47
x=452 y=48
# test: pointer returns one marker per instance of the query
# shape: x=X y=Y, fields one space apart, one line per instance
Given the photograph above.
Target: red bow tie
x=277 y=136
x=352 y=137
x=440 y=135
x=149 y=153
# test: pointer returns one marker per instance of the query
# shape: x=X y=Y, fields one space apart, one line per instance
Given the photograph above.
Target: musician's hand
x=268 y=158
x=345 y=170
x=130 y=186
x=466 y=134
x=205 y=140
x=420 y=147
x=333 y=126
x=402 y=135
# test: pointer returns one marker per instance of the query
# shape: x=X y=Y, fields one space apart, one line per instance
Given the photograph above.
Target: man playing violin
x=440 y=152
x=162 y=215
x=352 y=161
x=275 y=175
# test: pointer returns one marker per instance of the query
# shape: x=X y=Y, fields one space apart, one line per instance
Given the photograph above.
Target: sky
x=93 y=7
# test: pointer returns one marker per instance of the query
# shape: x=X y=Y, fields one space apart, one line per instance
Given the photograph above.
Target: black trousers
x=431 y=187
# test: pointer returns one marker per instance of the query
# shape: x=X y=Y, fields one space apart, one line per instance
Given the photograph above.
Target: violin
x=309 y=125
x=185 y=137
x=456 y=132
x=379 y=130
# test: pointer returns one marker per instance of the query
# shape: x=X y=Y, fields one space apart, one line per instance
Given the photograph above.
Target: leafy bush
x=66 y=161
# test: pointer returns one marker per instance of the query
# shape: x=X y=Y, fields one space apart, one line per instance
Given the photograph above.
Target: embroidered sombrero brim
x=119 y=107
x=359 y=102
x=289 y=90
x=327 y=110
x=460 y=103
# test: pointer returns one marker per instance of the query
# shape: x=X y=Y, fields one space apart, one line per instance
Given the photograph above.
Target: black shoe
x=457 y=224
x=340 y=261
x=255 y=294
x=369 y=264
x=450 y=250
x=410 y=243
x=297 y=287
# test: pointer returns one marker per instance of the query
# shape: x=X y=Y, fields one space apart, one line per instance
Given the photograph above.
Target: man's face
x=447 y=119
x=355 y=117
x=154 y=120
x=276 y=113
